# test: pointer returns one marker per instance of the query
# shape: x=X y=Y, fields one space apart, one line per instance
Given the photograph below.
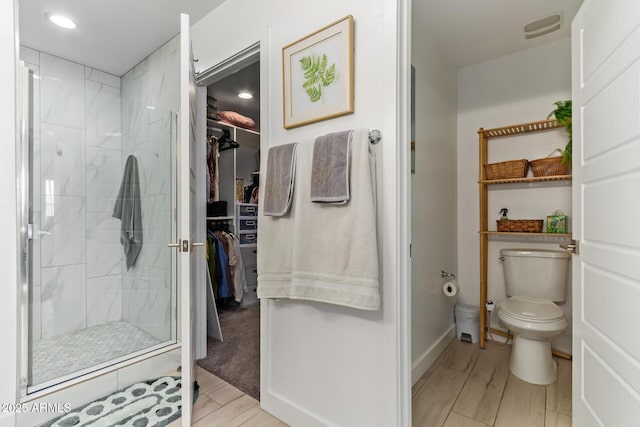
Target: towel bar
x=375 y=136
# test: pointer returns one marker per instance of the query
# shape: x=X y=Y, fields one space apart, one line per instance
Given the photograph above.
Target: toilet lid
x=532 y=310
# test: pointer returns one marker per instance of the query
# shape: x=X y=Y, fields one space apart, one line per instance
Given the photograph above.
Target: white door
x=606 y=205
x=191 y=251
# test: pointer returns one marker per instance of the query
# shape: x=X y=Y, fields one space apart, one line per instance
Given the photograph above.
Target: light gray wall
x=433 y=200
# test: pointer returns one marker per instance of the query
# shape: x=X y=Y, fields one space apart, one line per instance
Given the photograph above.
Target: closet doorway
x=232 y=105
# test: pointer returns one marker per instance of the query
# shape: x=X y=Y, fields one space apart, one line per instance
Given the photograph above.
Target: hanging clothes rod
x=375 y=136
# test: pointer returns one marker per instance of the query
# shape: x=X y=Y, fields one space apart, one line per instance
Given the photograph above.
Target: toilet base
x=531 y=361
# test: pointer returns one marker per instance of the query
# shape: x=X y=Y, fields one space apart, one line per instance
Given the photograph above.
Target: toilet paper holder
x=444 y=274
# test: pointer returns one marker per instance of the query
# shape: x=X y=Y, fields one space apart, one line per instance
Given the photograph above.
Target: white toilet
x=534 y=280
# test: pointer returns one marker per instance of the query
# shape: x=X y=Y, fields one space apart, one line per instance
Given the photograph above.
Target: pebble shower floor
x=62 y=355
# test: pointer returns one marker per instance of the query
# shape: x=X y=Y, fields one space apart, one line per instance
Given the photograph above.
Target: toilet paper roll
x=450 y=289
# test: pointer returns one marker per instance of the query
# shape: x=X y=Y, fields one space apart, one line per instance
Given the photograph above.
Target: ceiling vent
x=543 y=26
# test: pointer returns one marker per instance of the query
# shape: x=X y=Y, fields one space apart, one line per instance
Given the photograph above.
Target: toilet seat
x=531 y=310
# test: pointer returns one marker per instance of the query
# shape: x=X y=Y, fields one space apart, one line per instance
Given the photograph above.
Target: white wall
x=517 y=88
x=433 y=201
x=8 y=219
x=324 y=364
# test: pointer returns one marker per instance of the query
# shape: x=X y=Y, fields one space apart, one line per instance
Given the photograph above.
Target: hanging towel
x=127 y=209
x=281 y=170
x=330 y=168
x=239 y=280
x=321 y=254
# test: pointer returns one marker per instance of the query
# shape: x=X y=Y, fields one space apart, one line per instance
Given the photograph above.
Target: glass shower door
x=101 y=209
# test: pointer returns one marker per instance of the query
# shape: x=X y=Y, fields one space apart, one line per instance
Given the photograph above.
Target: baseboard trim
x=293 y=414
x=426 y=359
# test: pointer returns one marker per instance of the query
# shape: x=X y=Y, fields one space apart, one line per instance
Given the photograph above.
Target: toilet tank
x=536 y=273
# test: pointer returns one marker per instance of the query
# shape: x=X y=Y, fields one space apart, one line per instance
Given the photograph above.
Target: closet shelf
x=526 y=180
x=230 y=126
x=219 y=218
x=249 y=245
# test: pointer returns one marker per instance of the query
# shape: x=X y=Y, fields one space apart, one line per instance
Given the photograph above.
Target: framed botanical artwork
x=317 y=75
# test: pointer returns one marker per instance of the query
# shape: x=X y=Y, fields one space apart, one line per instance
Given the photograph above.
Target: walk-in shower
x=86 y=309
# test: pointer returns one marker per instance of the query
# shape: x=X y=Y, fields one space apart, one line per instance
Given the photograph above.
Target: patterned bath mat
x=154 y=403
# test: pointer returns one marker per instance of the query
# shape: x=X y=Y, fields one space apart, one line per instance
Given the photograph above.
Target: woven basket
x=548 y=166
x=506 y=170
x=520 y=225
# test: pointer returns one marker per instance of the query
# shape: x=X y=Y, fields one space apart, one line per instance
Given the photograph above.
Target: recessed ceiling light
x=61 y=21
x=245 y=95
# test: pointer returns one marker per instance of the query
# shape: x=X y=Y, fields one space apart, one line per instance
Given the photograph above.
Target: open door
x=606 y=206
x=191 y=252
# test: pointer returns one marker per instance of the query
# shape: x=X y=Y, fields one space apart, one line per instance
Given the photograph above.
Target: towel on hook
x=320 y=254
x=281 y=170
x=330 y=168
x=127 y=209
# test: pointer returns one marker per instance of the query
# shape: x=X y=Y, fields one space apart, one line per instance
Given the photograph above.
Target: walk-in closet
x=233 y=175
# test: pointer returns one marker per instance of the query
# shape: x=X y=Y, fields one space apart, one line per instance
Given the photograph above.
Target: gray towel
x=281 y=169
x=330 y=168
x=127 y=210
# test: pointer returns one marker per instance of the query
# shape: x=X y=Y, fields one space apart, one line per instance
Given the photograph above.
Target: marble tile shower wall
x=76 y=171
x=150 y=97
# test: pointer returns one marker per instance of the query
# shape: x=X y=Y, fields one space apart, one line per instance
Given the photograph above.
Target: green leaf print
x=317 y=75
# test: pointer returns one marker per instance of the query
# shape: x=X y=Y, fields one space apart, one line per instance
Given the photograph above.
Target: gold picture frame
x=317 y=75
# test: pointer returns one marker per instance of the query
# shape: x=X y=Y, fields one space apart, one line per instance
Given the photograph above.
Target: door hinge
x=573 y=247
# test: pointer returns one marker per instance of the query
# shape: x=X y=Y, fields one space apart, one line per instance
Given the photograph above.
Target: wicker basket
x=548 y=166
x=506 y=170
x=520 y=225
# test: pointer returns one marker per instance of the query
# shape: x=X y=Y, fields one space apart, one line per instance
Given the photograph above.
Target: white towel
x=324 y=253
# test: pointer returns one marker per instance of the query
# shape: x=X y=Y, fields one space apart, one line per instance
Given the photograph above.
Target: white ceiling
x=112 y=35
x=115 y=35
x=473 y=31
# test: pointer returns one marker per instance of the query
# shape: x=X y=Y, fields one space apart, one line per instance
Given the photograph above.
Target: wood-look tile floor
x=470 y=387
x=220 y=404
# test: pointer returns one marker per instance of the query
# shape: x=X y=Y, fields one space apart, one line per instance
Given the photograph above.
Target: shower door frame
x=27 y=392
x=24 y=89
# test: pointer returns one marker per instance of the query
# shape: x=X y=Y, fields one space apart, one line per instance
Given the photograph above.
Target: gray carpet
x=237 y=359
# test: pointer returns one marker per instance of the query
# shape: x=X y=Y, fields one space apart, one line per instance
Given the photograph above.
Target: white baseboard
x=426 y=359
x=287 y=411
x=7 y=420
